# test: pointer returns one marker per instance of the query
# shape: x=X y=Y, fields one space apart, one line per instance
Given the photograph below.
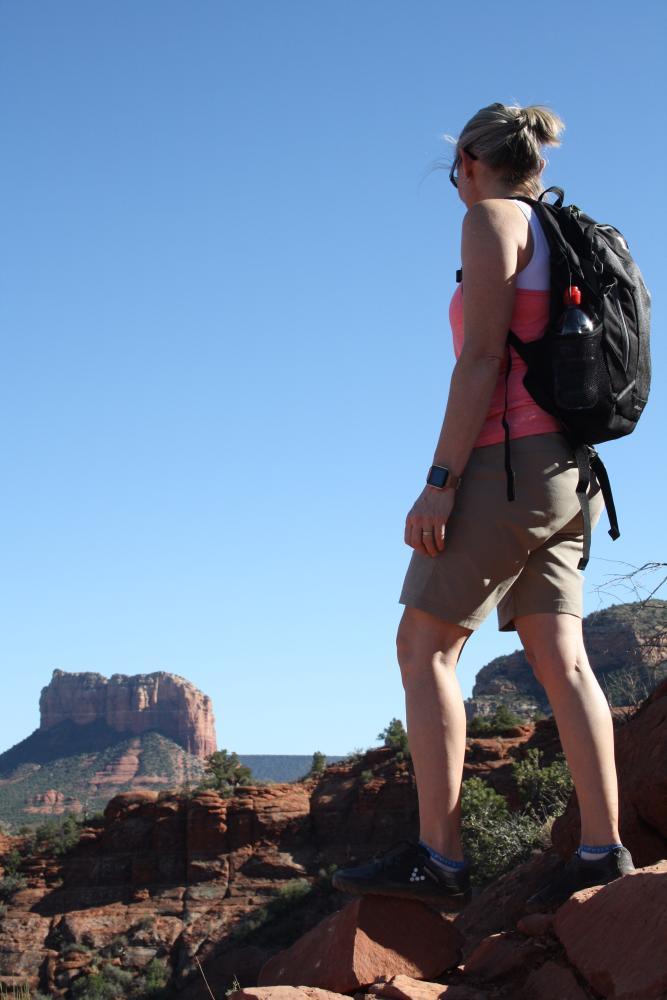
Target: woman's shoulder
x=491 y=210
x=494 y=219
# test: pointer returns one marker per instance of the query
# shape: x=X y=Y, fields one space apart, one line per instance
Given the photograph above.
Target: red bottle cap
x=572 y=296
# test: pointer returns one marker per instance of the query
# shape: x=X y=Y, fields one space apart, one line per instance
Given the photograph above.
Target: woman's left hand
x=425 y=524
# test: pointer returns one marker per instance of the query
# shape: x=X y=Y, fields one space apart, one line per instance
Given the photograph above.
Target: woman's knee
x=424 y=641
x=553 y=645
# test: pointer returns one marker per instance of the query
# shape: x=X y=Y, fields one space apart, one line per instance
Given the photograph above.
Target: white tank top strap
x=536 y=275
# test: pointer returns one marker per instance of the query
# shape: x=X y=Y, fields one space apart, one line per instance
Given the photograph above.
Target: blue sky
x=226 y=353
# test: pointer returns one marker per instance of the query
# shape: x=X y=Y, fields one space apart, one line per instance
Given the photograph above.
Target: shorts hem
x=471 y=622
x=506 y=623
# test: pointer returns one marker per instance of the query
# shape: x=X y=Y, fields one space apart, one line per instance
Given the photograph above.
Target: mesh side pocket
x=579 y=372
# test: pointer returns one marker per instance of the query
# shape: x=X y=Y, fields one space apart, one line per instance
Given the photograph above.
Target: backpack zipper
x=626 y=335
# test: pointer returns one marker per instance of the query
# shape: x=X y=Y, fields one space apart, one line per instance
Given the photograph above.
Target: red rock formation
x=133 y=704
x=371 y=937
x=406 y=988
x=616 y=935
x=53 y=803
x=181 y=879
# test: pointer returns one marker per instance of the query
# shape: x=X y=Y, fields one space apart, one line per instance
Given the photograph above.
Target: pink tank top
x=530 y=316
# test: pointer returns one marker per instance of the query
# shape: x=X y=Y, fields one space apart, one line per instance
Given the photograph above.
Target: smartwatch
x=442 y=478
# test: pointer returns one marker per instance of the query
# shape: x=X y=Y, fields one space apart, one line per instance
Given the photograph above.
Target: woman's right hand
x=426 y=522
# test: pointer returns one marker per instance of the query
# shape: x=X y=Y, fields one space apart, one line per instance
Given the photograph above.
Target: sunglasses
x=455 y=165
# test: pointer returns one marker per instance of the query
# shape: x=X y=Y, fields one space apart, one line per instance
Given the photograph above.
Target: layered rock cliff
x=133 y=704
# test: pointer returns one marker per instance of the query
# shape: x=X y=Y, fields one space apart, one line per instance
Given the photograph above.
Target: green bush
x=116 y=947
x=318 y=765
x=224 y=772
x=497 y=723
x=292 y=891
x=55 y=836
x=95 y=986
x=545 y=789
x=9 y=885
x=396 y=737
x=365 y=777
x=495 y=839
x=277 y=911
x=151 y=984
x=12 y=861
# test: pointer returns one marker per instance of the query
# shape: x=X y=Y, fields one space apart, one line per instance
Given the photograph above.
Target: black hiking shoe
x=576 y=874
x=406 y=870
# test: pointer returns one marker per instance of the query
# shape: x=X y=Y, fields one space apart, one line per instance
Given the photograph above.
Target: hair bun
x=545 y=124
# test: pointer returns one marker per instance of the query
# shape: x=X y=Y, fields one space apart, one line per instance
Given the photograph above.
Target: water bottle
x=576 y=352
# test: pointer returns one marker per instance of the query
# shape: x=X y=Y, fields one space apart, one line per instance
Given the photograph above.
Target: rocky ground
x=237 y=890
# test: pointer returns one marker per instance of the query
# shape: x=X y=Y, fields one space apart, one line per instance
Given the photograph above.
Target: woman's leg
x=554 y=646
x=428 y=651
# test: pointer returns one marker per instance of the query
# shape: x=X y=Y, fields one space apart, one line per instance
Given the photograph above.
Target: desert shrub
x=497 y=723
x=627 y=687
x=292 y=891
x=116 y=947
x=95 y=986
x=319 y=764
x=546 y=789
x=21 y=992
x=224 y=772
x=73 y=946
x=12 y=861
x=354 y=755
x=279 y=911
x=394 y=735
x=151 y=984
x=365 y=777
x=53 y=836
x=494 y=839
x=9 y=885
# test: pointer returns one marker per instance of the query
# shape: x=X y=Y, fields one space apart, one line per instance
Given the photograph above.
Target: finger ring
x=426 y=532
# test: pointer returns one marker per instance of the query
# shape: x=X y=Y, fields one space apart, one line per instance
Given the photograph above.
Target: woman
x=475 y=551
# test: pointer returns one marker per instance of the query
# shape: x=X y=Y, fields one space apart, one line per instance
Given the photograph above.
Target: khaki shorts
x=519 y=557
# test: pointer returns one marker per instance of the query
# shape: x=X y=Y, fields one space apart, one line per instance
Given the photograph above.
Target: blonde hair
x=509 y=138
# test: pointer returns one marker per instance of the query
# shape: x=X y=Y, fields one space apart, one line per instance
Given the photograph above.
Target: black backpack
x=595 y=257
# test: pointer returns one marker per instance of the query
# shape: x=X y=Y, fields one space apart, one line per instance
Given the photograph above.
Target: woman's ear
x=466 y=163
x=543 y=164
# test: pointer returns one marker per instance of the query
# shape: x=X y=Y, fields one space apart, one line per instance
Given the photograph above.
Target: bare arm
x=489 y=252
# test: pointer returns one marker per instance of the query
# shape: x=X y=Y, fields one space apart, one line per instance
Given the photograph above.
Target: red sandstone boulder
x=502 y=903
x=552 y=982
x=284 y=993
x=406 y=988
x=535 y=924
x=371 y=937
x=616 y=935
x=498 y=956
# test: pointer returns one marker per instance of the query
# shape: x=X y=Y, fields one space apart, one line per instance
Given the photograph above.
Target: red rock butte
x=132 y=704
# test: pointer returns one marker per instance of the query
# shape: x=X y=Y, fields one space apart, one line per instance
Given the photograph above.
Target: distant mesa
x=134 y=704
x=99 y=736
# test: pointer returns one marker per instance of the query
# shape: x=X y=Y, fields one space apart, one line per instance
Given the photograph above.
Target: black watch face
x=438 y=477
